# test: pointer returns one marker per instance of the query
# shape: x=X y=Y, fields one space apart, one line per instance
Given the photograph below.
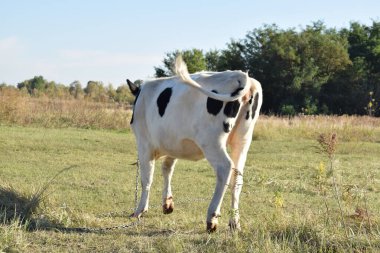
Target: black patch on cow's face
x=134 y=103
x=247 y=116
x=213 y=105
x=232 y=108
x=237 y=91
x=254 y=106
x=226 y=127
x=163 y=100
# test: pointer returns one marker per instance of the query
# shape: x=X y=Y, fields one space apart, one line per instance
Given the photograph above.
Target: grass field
x=289 y=202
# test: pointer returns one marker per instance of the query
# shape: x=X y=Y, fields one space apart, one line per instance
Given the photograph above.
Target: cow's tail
x=180 y=68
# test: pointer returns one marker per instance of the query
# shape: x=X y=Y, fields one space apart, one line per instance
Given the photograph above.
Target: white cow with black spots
x=193 y=117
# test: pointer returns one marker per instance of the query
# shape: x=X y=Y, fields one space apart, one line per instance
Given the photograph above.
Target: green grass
x=283 y=208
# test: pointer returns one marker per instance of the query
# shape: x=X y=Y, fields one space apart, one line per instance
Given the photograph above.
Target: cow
x=194 y=117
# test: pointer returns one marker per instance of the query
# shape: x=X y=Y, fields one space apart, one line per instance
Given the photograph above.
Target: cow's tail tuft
x=180 y=68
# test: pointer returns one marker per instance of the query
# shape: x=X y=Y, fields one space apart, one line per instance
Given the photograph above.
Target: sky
x=111 y=40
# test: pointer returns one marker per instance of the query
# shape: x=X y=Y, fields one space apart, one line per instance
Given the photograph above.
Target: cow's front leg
x=146 y=172
x=222 y=165
x=167 y=196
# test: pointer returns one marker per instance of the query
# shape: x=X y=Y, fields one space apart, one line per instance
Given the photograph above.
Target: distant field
x=288 y=203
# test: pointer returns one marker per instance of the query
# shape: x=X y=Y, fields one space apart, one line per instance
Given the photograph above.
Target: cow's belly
x=185 y=149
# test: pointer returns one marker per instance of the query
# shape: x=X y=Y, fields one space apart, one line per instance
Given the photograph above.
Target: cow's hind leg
x=146 y=171
x=239 y=150
x=239 y=142
x=222 y=164
x=167 y=196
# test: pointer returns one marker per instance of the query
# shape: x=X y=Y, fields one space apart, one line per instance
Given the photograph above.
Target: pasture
x=291 y=200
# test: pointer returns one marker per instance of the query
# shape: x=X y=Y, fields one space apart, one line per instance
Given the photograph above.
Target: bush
x=288 y=110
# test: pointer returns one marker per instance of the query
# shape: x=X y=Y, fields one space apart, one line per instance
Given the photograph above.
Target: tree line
x=310 y=70
x=94 y=91
x=313 y=70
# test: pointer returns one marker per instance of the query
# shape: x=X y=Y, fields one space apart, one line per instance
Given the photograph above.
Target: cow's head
x=135 y=88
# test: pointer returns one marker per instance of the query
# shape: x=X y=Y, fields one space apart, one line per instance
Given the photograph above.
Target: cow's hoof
x=168 y=206
x=211 y=227
x=138 y=215
x=134 y=215
x=234 y=225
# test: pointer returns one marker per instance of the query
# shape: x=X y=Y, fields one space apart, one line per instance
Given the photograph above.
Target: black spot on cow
x=163 y=100
x=232 y=108
x=247 y=116
x=134 y=103
x=250 y=100
x=237 y=91
x=254 y=106
x=226 y=127
x=213 y=105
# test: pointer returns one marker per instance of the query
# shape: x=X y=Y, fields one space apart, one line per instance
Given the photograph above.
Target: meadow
x=295 y=197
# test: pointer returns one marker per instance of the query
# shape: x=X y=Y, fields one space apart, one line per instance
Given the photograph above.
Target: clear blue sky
x=111 y=40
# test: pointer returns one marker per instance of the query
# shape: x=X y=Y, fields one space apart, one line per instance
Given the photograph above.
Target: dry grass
x=16 y=109
x=349 y=128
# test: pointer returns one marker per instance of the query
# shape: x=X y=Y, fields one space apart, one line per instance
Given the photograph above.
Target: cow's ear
x=135 y=88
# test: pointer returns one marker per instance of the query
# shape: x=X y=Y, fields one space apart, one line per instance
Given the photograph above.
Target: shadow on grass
x=19 y=208
x=23 y=210
x=16 y=207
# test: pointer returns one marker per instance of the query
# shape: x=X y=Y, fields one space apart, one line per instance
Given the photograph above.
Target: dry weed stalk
x=328 y=145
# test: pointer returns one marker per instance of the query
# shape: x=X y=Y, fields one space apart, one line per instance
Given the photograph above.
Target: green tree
x=194 y=59
x=76 y=91
x=34 y=86
x=111 y=92
x=365 y=43
x=95 y=91
x=293 y=65
x=212 y=60
x=344 y=93
x=232 y=58
x=348 y=91
x=54 y=90
x=124 y=95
